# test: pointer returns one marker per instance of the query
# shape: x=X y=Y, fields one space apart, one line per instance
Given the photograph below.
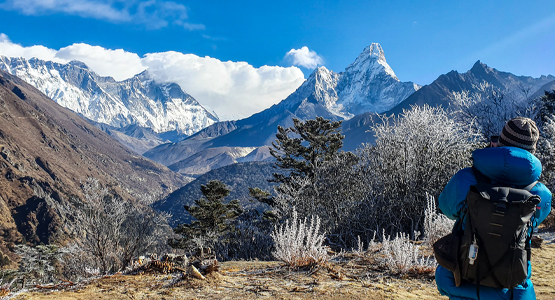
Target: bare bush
x=110 y=231
x=299 y=244
x=77 y=263
x=436 y=225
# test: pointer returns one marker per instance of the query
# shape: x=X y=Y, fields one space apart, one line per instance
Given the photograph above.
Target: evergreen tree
x=264 y=197
x=311 y=143
x=304 y=154
x=211 y=214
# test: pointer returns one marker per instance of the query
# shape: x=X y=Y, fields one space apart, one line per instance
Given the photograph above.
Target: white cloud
x=117 y=63
x=154 y=14
x=7 y=48
x=304 y=57
x=229 y=88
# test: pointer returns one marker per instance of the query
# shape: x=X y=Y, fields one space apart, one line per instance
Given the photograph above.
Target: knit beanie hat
x=520 y=132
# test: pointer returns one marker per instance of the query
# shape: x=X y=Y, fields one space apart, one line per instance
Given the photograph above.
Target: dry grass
x=354 y=277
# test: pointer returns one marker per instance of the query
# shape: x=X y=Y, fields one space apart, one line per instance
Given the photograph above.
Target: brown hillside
x=46 y=151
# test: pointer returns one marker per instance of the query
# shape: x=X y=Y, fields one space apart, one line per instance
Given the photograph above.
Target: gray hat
x=520 y=132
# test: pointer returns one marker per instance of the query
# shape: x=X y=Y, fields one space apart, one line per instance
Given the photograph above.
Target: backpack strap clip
x=501 y=208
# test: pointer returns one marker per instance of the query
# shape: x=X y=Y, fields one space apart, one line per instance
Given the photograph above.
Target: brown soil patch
x=354 y=278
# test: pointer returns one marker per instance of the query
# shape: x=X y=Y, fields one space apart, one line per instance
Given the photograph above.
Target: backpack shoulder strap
x=530 y=186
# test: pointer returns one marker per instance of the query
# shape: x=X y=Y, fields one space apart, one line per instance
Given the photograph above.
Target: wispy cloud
x=304 y=57
x=153 y=14
x=213 y=38
x=514 y=39
x=229 y=88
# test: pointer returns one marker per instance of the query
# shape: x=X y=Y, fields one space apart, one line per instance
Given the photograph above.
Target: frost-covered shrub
x=489 y=109
x=414 y=154
x=77 y=263
x=111 y=230
x=402 y=255
x=37 y=265
x=546 y=151
x=435 y=225
x=298 y=243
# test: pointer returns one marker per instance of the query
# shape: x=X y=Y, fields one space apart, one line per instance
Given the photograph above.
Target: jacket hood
x=510 y=165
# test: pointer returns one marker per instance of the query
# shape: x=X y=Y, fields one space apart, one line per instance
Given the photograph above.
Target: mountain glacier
x=135 y=101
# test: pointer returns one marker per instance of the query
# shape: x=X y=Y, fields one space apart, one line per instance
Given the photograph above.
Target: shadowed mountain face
x=238 y=178
x=46 y=151
x=439 y=91
x=549 y=87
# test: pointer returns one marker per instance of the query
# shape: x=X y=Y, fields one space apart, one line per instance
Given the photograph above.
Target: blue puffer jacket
x=508 y=165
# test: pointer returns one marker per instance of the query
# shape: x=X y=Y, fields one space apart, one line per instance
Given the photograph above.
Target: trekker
x=511 y=164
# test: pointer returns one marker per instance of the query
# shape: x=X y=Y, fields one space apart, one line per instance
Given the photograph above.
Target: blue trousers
x=467 y=291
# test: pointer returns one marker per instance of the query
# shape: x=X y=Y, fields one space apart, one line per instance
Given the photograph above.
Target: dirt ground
x=353 y=278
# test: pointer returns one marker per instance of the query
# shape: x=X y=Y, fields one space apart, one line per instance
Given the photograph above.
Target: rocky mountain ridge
x=440 y=90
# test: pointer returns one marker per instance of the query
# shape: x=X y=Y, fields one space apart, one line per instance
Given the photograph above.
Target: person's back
x=506 y=165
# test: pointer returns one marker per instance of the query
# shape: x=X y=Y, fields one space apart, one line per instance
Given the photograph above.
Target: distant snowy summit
x=135 y=101
x=367 y=85
x=370 y=85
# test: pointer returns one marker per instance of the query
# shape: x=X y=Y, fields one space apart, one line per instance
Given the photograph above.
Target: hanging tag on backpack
x=473 y=252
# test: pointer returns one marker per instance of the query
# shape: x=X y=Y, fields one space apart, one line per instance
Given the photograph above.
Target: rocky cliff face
x=136 y=101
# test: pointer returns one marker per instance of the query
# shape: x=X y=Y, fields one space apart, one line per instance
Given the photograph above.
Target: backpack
x=495 y=247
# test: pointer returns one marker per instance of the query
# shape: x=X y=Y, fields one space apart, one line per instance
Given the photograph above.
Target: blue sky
x=421 y=39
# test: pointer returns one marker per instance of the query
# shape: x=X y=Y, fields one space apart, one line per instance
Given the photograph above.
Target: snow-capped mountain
x=370 y=85
x=135 y=101
x=367 y=85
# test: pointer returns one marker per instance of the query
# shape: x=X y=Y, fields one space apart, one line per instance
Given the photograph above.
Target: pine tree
x=264 y=197
x=211 y=214
x=311 y=143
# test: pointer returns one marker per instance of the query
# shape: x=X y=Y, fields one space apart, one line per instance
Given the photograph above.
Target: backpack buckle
x=501 y=208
